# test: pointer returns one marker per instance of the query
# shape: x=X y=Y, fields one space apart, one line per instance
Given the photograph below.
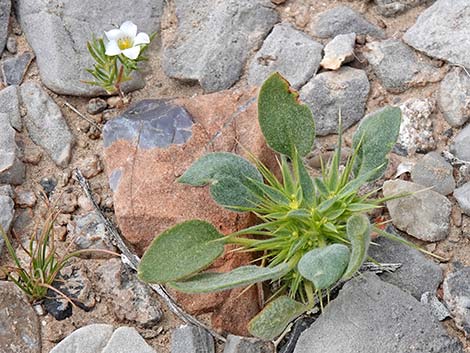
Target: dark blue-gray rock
x=454 y=97
x=5 y=8
x=416 y=275
x=9 y=104
x=330 y=92
x=457 y=297
x=291 y=339
x=214 y=40
x=442 y=31
x=19 y=324
x=434 y=171
x=14 y=69
x=126 y=340
x=48 y=185
x=460 y=146
x=154 y=123
x=372 y=316
x=398 y=67
x=343 y=20
x=339 y=51
x=238 y=344
x=389 y=8
x=438 y=309
x=424 y=215
x=45 y=123
x=290 y=52
x=462 y=195
x=191 y=339
x=58 y=34
x=12 y=169
x=87 y=339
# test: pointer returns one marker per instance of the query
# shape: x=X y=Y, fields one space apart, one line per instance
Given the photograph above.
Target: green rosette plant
x=312 y=232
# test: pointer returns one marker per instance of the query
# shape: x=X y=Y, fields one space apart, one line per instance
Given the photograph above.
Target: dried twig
x=132 y=260
x=76 y=111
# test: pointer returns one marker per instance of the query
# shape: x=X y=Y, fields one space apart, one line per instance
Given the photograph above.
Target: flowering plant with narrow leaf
x=312 y=232
x=117 y=56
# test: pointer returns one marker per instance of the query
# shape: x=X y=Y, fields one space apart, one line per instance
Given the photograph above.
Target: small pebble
x=91 y=166
x=96 y=105
x=11 y=45
x=25 y=198
x=114 y=102
x=84 y=203
x=48 y=185
x=68 y=202
x=32 y=156
x=94 y=133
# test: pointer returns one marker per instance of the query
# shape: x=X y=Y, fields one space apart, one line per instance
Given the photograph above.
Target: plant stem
x=117 y=85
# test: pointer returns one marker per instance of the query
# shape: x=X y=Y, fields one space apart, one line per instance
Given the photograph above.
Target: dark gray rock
x=12 y=169
x=442 y=31
x=58 y=35
x=434 y=171
x=289 y=51
x=328 y=93
x=339 y=51
x=462 y=195
x=48 y=185
x=438 y=309
x=391 y=8
x=238 y=344
x=96 y=105
x=19 y=324
x=214 y=51
x=126 y=340
x=5 y=8
x=460 y=146
x=457 y=296
x=454 y=97
x=398 y=67
x=45 y=123
x=191 y=339
x=14 y=69
x=9 y=104
x=416 y=275
x=87 y=339
x=343 y=20
x=155 y=123
x=424 y=215
x=371 y=316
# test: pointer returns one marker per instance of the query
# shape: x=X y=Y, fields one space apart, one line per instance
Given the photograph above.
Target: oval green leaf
x=358 y=231
x=324 y=266
x=180 y=252
x=275 y=317
x=240 y=277
x=285 y=122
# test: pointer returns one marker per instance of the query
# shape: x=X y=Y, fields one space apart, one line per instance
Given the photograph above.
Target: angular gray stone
x=416 y=275
x=7 y=212
x=343 y=20
x=289 y=51
x=442 y=31
x=457 y=297
x=14 y=69
x=238 y=344
x=390 y=8
x=214 y=51
x=462 y=195
x=398 y=67
x=19 y=324
x=371 y=316
x=88 y=339
x=438 y=309
x=339 y=51
x=434 y=171
x=12 y=169
x=127 y=340
x=45 y=123
x=9 y=104
x=5 y=8
x=155 y=123
x=191 y=339
x=329 y=92
x=58 y=34
x=454 y=97
x=424 y=215
x=460 y=146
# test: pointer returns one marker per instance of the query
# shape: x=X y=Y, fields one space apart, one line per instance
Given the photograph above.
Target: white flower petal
x=114 y=34
x=132 y=53
x=129 y=29
x=141 y=38
x=112 y=48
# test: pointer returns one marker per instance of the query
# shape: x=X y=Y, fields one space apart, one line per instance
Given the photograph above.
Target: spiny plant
x=313 y=232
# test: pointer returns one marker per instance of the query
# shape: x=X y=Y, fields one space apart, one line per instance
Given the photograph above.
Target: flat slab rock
x=12 y=169
x=434 y=171
x=58 y=33
x=454 y=97
x=102 y=338
x=213 y=42
x=460 y=145
x=442 y=31
x=371 y=316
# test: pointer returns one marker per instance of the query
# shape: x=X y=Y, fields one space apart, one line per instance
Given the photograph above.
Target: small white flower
x=125 y=40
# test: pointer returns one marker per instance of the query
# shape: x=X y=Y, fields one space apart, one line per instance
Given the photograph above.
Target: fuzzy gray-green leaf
x=228 y=176
x=180 y=251
x=376 y=136
x=358 y=231
x=239 y=277
x=324 y=266
x=285 y=122
x=275 y=317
